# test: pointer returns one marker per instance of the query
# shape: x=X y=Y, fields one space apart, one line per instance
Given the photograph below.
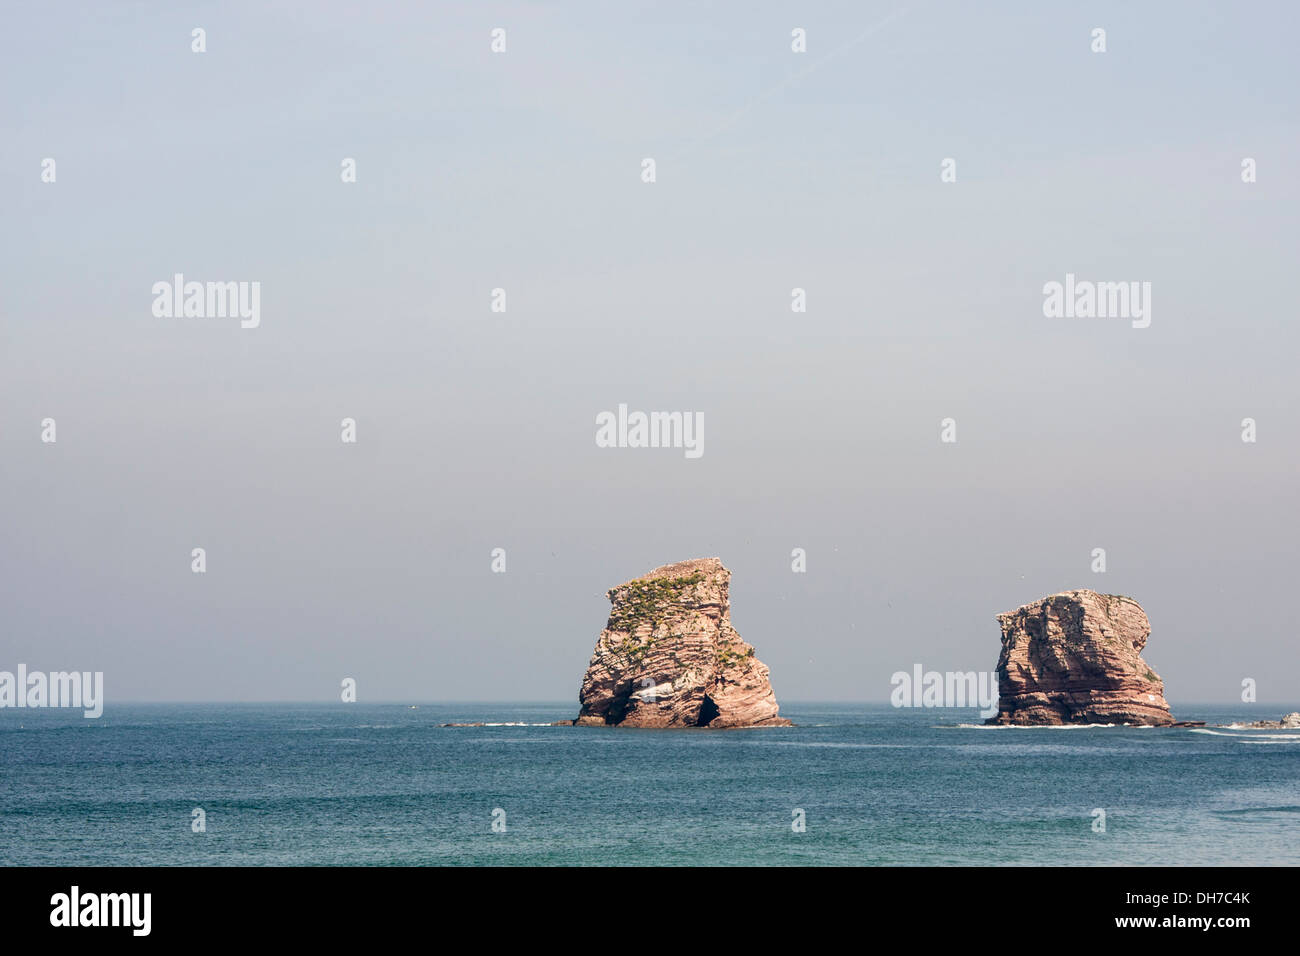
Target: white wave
x=1034 y=726
x=1249 y=727
x=836 y=746
x=1255 y=736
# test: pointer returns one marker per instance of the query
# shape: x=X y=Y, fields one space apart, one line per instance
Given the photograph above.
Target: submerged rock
x=1075 y=658
x=669 y=657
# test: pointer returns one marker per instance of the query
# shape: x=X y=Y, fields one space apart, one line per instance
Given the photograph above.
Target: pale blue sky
x=476 y=430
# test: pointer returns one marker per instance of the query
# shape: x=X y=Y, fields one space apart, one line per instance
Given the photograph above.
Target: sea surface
x=384 y=784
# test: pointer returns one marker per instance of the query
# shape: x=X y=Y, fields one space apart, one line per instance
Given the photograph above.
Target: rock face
x=1074 y=658
x=669 y=657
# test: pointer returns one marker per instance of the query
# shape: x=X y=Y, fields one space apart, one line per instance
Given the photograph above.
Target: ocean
x=384 y=784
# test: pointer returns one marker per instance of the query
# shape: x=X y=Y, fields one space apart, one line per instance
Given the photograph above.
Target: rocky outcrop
x=669 y=657
x=1075 y=657
x=1289 y=721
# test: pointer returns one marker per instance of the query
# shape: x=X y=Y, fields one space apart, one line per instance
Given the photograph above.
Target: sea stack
x=1075 y=658
x=669 y=657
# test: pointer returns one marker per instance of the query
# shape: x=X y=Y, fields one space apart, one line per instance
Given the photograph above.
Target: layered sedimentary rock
x=669 y=657
x=1076 y=657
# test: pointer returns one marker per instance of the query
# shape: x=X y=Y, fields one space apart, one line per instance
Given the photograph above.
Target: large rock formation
x=1075 y=658
x=669 y=657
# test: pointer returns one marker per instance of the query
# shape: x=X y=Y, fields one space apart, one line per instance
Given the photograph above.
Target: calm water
x=384 y=784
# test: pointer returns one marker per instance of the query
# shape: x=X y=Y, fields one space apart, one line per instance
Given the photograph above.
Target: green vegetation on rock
x=647 y=601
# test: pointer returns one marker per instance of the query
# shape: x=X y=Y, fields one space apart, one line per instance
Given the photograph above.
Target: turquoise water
x=384 y=784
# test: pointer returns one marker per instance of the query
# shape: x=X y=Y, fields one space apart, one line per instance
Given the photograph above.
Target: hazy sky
x=475 y=429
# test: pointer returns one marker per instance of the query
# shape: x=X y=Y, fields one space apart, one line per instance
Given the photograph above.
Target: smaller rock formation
x=1289 y=721
x=669 y=657
x=1075 y=658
